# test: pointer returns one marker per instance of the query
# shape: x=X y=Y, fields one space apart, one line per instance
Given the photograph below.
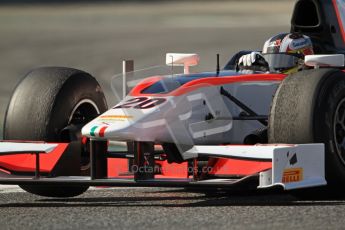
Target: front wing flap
x=294 y=167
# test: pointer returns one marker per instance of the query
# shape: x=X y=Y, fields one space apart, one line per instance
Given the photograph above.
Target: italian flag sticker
x=98 y=131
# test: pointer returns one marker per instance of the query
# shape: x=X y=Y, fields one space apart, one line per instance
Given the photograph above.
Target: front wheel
x=309 y=107
x=52 y=104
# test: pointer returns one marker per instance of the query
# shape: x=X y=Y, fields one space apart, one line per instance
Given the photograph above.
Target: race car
x=224 y=129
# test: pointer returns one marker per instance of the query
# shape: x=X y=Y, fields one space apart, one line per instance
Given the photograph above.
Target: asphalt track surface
x=96 y=38
x=152 y=208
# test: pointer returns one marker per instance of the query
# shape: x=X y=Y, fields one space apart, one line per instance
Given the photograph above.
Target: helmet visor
x=281 y=61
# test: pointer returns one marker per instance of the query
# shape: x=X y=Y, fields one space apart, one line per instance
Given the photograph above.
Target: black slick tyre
x=52 y=104
x=309 y=107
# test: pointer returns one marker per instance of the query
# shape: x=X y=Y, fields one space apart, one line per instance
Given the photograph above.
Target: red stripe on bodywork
x=146 y=83
x=206 y=82
x=335 y=5
x=102 y=130
x=26 y=162
x=119 y=168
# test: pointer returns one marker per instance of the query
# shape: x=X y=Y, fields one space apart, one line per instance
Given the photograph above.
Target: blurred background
x=95 y=36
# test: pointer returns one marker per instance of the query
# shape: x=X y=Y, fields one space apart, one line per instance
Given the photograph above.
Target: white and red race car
x=224 y=129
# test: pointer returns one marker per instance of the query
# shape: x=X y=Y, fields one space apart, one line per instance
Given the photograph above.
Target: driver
x=283 y=53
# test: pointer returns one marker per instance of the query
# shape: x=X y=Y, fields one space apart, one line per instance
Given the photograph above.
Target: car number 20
x=141 y=103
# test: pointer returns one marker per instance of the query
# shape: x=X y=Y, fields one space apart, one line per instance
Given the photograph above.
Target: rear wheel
x=52 y=104
x=309 y=107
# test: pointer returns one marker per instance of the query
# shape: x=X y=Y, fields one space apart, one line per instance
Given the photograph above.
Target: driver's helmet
x=285 y=52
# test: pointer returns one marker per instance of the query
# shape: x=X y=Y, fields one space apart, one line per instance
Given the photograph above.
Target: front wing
x=290 y=167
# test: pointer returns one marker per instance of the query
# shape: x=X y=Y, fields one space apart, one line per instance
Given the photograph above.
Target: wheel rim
x=85 y=107
x=82 y=113
x=339 y=129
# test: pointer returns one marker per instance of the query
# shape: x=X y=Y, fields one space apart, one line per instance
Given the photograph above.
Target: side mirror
x=180 y=59
x=326 y=60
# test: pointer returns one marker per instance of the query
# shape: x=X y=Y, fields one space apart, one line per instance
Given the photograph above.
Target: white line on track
x=10 y=189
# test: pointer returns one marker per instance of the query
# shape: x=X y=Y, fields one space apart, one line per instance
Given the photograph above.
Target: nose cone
x=122 y=123
x=109 y=122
